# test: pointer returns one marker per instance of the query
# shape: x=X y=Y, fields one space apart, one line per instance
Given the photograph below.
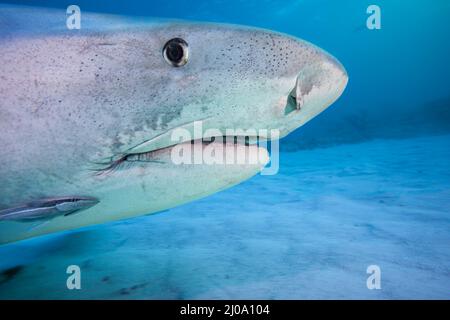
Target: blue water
x=365 y=183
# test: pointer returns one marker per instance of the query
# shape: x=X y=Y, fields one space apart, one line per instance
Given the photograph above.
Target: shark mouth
x=153 y=155
x=165 y=140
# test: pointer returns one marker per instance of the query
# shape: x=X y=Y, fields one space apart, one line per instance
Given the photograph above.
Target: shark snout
x=316 y=87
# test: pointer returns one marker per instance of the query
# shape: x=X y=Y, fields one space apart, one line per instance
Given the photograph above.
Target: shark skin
x=91 y=112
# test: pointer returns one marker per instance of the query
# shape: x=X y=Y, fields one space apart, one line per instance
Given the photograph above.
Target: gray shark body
x=90 y=112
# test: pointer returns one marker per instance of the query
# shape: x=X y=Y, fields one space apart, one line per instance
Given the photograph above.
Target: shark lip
x=149 y=148
x=152 y=155
x=165 y=140
x=236 y=140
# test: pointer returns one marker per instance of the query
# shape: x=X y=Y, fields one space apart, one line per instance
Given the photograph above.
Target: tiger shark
x=87 y=116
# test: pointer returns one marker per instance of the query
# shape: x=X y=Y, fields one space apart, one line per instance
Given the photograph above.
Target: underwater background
x=367 y=182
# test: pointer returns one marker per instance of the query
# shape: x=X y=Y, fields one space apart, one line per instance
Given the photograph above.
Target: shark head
x=229 y=78
x=124 y=96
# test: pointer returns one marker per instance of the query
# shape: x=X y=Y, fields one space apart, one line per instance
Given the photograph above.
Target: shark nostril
x=317 y=86
x=295 y=98
x=293 y=103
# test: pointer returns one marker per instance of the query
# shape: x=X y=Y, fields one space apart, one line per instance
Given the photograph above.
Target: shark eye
x=176 y=52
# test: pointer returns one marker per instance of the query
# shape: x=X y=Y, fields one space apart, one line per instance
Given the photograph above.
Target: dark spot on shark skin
x=106 y=279
x=8 y=274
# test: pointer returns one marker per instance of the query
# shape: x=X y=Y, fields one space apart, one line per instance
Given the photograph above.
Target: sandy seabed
x=309 y=232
